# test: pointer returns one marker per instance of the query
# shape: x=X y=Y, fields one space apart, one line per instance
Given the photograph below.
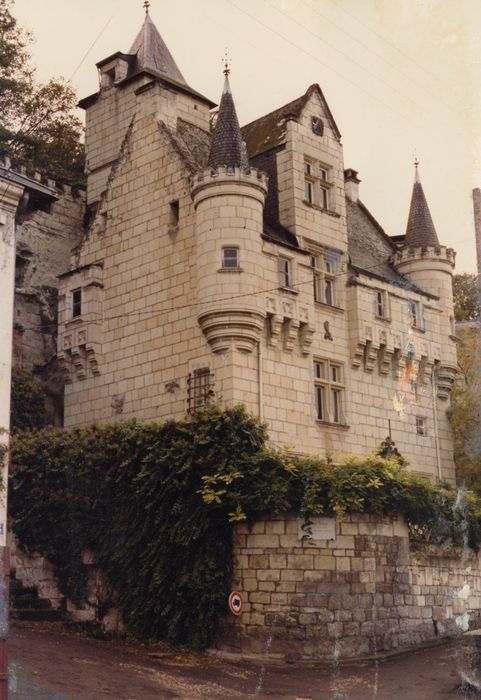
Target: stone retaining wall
x=34 y=570
x=363 y=592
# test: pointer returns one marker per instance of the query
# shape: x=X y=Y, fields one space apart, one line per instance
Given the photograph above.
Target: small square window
x=421 y=425
x=230 y=258
x=380 y=304
x=307 y=168
x=335 y=373
x=308 y=191
x=76 y=303
x=414 y=313
x=285 y=272
x=174 y=211
x=200 y=389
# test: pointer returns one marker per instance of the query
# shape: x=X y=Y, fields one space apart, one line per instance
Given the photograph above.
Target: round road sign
x=235 y=603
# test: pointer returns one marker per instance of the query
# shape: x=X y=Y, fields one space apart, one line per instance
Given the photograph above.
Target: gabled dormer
x=299 y=146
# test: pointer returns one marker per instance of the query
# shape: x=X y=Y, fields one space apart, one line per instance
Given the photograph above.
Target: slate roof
x=148 y=56
x=370 y=248
x=193 y=144
x=152 y=53
x=228 y=147
x=270 y=130
x=420 y=231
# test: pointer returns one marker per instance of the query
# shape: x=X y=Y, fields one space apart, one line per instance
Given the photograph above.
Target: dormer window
x=107 y=78
x=325 y=264
x=317 y=184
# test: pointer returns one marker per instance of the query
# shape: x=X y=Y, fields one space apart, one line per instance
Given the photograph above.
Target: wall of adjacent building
x=45 y=241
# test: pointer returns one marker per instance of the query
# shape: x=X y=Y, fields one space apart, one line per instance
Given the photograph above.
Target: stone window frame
x=285 y=271
x=200 y=389
x=76 y=298
x=416 y=314
x=422 y=426
x=329 y=391
x=382 y=308
x=324 y=274
x=225 y=259
x=317 y=184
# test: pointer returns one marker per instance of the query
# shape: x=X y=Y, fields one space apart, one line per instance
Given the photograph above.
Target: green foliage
x=157 y=503
x=465 y=410
x=27 y=402
x=467 y=302
x=37 y=120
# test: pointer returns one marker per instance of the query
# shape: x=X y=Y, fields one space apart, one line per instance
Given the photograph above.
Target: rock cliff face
x=45 y=241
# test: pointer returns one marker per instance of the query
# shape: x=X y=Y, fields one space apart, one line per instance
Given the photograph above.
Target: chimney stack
x=351 y=184
x=477 y=224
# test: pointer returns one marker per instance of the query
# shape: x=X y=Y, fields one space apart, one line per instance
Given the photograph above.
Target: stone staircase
x=25 y=604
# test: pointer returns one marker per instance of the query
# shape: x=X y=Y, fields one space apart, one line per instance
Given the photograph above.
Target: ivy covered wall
x=156 y=504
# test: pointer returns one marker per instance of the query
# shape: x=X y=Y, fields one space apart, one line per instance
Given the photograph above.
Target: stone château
x=239 y=265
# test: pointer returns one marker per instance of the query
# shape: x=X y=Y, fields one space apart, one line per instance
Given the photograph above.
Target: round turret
x=229 y=213
x=229 y=202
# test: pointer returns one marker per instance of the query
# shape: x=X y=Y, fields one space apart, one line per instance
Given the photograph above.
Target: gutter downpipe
x=435 y=417
x=259 y=379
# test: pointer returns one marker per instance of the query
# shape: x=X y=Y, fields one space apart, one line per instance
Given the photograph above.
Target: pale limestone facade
x=155 y=319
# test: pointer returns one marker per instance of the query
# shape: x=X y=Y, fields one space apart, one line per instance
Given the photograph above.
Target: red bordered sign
x=236 y=603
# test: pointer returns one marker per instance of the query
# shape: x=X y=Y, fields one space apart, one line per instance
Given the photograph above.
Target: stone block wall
x=363 y=592
x=35 y=571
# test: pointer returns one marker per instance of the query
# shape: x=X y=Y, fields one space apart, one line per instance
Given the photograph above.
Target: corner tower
x=229 y=200
x=429 y=265
x=143 y=83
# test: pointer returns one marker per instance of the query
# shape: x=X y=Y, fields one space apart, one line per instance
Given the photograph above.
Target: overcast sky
x=402 y=78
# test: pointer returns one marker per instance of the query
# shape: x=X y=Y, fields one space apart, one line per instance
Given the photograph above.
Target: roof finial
x=146 y=6
x=416 y=172
x=227 y=61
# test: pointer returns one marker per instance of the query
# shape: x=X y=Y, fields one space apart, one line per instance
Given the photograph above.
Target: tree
x=37 y=120
x=27 y=409
x=465 y=410
x=467 y=301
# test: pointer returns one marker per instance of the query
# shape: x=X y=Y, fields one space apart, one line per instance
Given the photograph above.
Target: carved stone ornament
x=327 y=334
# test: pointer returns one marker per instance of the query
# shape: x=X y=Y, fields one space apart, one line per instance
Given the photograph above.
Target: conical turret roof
x=227 y=147
x=152 y=53
x=420 y=231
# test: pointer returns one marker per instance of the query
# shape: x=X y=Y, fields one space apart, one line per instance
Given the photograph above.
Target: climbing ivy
x=27 y=402
x=156 y=503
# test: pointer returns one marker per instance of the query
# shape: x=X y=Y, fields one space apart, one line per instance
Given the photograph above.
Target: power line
x=326 y=65
x=408 y=286
x=315 y=58
x=403 y=53
x=115 y=12
x=375 y=53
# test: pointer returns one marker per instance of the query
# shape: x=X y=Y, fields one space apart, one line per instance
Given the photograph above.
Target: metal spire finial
x=227 y=61
x=146 y=6
x=416 y=173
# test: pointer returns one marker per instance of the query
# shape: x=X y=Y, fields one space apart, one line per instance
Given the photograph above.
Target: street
x=49 y=662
